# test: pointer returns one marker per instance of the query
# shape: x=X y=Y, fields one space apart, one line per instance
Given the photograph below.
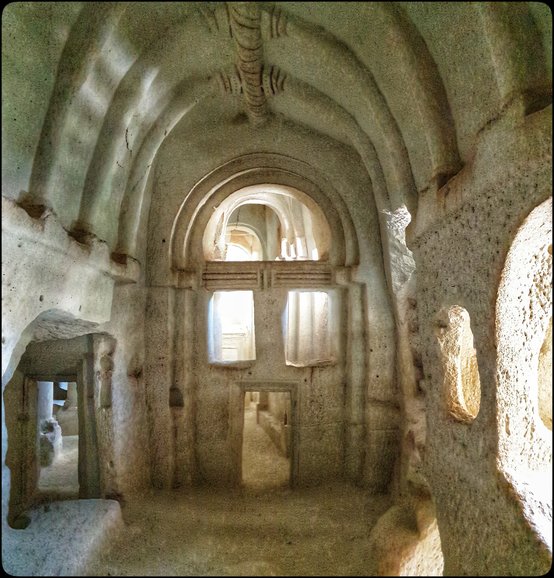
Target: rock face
x=345 y=208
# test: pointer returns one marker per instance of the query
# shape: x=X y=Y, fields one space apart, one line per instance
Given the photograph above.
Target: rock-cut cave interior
x=277 y=288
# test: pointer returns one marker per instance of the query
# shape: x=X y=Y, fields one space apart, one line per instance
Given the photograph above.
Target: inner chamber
x=267 y=438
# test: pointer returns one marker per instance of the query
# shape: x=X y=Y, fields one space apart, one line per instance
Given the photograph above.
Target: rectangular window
x=231 y=327
x=311 y=327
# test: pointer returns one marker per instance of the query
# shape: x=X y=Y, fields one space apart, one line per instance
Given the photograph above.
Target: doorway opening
x=58 y=439
x=50 y=408
x=267 y=440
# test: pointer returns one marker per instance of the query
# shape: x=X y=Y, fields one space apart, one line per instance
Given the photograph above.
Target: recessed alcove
x=461 y=387
x=524 y=376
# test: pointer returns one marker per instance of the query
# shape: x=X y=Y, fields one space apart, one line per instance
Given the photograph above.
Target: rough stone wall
x=459 y=260
x=124 y=423
x=20 y=400
x=62 y=303
x=90 y=92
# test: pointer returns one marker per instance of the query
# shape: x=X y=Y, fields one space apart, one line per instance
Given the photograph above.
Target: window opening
x=271 y=222
x=237 y=253
x=231 y=335
x=310 y=329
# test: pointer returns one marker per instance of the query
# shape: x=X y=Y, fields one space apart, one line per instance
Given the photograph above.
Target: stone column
x=71 y=400
x=89 y=471
x=50 y=433
x=181 y=398
x=159 y=373
x=356 y=371
x=67 y=416
x=45 y=400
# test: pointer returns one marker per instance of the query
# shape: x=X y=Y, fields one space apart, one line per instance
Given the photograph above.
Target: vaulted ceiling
x=92 y=90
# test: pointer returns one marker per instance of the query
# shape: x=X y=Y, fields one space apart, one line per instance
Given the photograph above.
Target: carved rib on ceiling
x=245 y=20
x=93 y=27
x=272 y=80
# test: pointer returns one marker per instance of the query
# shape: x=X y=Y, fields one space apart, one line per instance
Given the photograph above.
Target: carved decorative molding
x=244 y=19
x=277 y=22
x=229 y=81
x=273 y=80
x=209 y=16
x=266 y=274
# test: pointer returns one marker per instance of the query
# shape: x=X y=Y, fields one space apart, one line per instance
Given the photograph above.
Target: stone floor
x=264 y=528
x=285 y=532
x=60 y=480
x=60 y=537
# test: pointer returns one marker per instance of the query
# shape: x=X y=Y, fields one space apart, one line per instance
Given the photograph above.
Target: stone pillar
x=67 y=415
x=71 y=400
x=50 y=433
x=89 y=471
x=356 y=371
x=159 y=374
x=181 y=399
x=45 y=400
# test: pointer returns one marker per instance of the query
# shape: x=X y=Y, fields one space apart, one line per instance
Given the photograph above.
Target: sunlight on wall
x=545 y=379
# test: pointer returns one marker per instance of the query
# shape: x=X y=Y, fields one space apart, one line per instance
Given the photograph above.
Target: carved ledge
x=41 y=226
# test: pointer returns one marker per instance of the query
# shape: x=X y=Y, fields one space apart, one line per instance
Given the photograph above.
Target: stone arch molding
x=286 y=203
x=190 y=223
